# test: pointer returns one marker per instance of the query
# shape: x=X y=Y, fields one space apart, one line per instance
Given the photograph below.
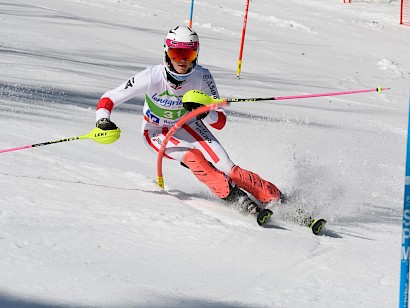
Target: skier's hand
x=192 y=106
x=105 y=124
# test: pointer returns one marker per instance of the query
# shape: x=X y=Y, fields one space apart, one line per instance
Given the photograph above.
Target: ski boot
x=239 y=199
x=246 y=205
x=264 y=214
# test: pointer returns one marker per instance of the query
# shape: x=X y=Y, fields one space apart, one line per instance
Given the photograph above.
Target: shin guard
x=206 y=173
x=261 y=189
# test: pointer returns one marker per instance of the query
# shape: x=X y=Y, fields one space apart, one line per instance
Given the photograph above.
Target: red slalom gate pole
x=182 y=121
x=245 y=19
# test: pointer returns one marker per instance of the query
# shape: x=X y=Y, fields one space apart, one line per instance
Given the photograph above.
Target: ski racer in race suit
x=193 y=145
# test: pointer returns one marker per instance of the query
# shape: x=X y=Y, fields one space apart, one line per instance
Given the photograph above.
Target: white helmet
x=185 y=43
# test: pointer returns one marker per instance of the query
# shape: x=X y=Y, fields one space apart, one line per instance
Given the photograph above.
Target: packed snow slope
x=85 y=225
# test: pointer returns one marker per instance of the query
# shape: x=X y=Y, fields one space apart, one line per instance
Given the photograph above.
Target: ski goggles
x=178 y=51
x=179 y=54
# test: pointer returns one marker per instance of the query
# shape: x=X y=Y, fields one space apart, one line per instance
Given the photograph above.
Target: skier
x=193 y=145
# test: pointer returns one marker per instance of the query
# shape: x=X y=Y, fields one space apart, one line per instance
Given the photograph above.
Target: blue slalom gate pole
x=192 y=12
x=405 y=243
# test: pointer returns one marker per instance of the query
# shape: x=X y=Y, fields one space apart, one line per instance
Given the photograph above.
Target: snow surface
x=84 y=224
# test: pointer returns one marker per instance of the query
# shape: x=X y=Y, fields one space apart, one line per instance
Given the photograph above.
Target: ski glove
x=105 y=124
x=192 y=106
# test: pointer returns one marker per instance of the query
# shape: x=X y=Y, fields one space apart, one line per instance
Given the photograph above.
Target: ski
x=239 y=200
x=263 y=216
x=316 y=225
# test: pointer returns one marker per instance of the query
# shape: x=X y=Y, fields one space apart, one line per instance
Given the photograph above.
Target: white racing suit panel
x=192 y=135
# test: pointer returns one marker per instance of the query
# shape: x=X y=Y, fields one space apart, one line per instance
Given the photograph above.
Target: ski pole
x=97 y=134
x=204 y=99
x=210 y=103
